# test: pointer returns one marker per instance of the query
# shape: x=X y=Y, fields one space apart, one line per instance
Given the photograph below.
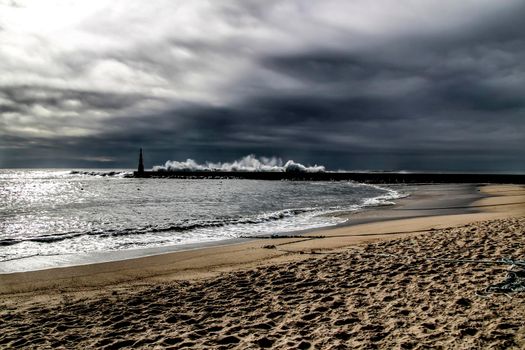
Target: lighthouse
x=140 y=169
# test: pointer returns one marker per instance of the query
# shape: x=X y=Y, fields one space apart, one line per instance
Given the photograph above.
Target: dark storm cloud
x=413 y=86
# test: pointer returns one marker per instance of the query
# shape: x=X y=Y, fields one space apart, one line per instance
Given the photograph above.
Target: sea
x=51 y=218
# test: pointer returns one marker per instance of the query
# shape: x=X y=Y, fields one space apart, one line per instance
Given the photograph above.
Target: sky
x=433 y=85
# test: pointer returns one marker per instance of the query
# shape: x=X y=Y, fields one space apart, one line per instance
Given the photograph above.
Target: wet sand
x=371 y=285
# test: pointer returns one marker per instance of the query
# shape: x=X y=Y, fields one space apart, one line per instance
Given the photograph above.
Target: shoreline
x=413 y=203
x=368 y=226
x=45 y=262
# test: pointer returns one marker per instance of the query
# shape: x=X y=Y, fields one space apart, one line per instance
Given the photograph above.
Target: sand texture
x=386 y=295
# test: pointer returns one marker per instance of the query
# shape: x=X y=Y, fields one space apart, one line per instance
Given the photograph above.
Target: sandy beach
x=407 y=277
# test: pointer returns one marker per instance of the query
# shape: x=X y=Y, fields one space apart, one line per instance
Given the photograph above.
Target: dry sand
x=364 y=286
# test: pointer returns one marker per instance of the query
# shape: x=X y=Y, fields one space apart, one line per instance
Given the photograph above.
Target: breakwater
x=364 y=177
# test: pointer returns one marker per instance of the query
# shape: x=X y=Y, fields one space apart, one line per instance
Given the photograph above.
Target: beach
x=408 y=276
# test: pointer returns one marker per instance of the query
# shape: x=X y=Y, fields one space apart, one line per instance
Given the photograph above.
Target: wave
x=249 y=163
x=172 y=227
x=102 y=173
x=384 y=199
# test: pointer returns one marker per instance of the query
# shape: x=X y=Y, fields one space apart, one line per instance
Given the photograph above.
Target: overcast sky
x=400 y=84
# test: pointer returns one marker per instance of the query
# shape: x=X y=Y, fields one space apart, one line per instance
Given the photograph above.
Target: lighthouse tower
x=140 y=170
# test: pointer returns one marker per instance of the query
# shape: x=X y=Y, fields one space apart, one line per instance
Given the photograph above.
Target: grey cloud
x=294 y=79
x=24 y=96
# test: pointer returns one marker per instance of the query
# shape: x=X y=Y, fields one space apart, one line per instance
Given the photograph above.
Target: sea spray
x=249 y=163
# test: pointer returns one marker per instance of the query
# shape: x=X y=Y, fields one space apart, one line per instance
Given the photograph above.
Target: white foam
x=247 y=163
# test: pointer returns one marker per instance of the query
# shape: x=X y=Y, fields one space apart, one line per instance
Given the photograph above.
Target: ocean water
x=52 y=213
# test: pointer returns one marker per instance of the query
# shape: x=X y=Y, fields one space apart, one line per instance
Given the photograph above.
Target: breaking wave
x=249 y=163
x=102 y=173
x=182 y=226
